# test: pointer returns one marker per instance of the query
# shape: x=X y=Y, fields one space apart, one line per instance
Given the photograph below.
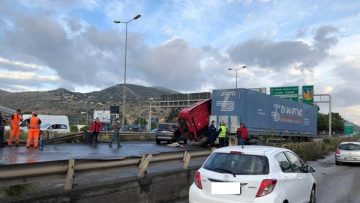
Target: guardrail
x=69 y=167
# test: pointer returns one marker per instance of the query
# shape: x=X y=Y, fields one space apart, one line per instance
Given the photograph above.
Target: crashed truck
x=263 y=115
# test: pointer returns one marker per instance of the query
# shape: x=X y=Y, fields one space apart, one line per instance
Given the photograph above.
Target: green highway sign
x=348 y=128
x=291 y=93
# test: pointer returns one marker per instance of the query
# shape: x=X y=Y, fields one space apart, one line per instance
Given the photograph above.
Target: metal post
x=123 y=109
x=149 y=122
x=236 y=77
x=330 y=133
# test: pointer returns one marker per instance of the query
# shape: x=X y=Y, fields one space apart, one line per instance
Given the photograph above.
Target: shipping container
x=263 y=114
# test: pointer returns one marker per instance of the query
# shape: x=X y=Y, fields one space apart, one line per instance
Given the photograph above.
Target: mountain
x=65 y=102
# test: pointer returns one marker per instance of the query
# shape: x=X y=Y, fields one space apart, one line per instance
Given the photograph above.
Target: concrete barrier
x=156 y=187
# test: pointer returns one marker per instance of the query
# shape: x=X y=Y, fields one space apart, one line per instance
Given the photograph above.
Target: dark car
x=168 y=132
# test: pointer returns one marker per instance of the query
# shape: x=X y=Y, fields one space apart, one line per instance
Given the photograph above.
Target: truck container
x=262 y=114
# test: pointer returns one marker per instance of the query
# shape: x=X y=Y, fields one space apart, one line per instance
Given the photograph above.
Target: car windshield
x=165 y=127
x=349 y=146
x=45 y=125
x=237 y=164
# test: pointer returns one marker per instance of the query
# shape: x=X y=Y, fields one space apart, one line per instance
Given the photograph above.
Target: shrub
x=74 y=128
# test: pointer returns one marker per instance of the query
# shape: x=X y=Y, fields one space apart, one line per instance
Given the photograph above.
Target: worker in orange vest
x=34 y=130
x=15 y=120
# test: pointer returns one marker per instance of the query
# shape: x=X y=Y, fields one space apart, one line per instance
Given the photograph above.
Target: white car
x=347 y=152
x=253 y=174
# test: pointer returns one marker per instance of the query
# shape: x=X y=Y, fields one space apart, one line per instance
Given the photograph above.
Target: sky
x=184 y=45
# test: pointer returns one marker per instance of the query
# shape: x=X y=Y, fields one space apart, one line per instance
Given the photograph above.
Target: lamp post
x=126 y=24
x=149 y=122
x=236 y=70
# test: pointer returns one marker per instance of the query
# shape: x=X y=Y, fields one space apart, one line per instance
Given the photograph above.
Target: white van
x=49 y=123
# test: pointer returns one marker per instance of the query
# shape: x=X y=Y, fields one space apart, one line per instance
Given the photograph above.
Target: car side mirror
x=309 y=169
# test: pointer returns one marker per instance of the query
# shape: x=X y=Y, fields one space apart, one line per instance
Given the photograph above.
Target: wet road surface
x=17 y=155
x=337 y=184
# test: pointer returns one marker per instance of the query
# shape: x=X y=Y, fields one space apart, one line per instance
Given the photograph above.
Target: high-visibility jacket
x=223 y=131
x=15 y=120
x=34 y=123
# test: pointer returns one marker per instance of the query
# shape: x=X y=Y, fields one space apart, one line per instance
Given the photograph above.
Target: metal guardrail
x=69 y=167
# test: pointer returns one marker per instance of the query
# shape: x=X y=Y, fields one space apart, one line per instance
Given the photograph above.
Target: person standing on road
x=2 y=128
x=242 y=134
x=15 y=120
x=212 y=133
x=34 y=131
x=116 y=128
x=222 y=134
x=95 y=128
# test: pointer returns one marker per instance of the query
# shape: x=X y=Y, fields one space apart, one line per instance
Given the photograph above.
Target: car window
x=166 y=127
x=237 y=164
x=349 y=146
x=295 y=163
x=283 y=162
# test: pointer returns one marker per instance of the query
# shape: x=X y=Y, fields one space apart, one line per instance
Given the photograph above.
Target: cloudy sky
x=184 y=45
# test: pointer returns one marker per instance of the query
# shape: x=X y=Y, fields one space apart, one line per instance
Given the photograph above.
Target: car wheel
x=337 y=163
x=158 y=141
x=313 y=195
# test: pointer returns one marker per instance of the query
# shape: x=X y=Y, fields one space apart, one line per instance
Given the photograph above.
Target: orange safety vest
x=34 y=123
x=15 y=121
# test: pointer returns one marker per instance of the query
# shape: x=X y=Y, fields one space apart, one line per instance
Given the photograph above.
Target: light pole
x=126 y=24
x=236 y=70
x=149 y=122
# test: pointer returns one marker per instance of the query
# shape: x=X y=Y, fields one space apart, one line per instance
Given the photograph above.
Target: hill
x=75 y=104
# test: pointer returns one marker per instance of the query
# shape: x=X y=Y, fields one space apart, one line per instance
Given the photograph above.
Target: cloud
x=280 y=55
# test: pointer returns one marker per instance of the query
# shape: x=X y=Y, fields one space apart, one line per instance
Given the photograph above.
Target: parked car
x=168 y=132
x=260 y=173
x=347 y=152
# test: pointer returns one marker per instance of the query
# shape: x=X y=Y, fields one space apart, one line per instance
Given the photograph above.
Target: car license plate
x=225 y=188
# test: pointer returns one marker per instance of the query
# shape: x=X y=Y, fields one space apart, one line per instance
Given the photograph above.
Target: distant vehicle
x=258 y=173
x=168 y=132
x=347 y=152
x=49 y=123
x=130 y=128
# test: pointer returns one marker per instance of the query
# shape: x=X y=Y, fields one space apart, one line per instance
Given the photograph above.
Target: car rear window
x=166 y=127
x=349 y=146
x=237 y=164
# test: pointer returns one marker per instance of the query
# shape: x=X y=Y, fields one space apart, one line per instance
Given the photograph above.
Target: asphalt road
x=336 y=184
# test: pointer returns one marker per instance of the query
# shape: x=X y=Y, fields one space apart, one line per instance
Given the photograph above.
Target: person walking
x=15 y=120
x=116 y=128
x=212 y=133
x=2 y=128
x=222 y=134
x=95 y=128
x=34 y=131
x=242 y=134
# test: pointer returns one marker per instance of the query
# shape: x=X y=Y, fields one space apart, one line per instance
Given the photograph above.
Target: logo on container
x=286 y=114
x=226 y=105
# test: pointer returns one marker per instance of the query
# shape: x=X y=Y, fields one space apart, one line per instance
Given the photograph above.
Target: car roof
x=355 y=142
x=252 y=149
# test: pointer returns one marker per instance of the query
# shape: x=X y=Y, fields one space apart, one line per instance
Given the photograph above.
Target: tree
x=141 y=121
x=173 y=114
x=337 y=122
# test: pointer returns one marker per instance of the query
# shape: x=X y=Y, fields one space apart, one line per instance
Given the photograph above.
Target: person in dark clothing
x=2 y=128
x=116 y=128
x=212 y=133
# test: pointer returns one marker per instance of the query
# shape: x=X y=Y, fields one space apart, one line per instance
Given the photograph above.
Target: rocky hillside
x=62 y=101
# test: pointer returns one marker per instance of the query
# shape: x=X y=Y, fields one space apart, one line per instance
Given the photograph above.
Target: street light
x=126 y=24
x=236 y=70
x=149 y=122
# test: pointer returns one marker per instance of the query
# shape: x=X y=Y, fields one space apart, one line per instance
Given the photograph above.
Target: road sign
x=348 y=128
x=308 y=94
x=290 y=93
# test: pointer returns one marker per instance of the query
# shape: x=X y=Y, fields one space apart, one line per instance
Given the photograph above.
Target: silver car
x=347 y=152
